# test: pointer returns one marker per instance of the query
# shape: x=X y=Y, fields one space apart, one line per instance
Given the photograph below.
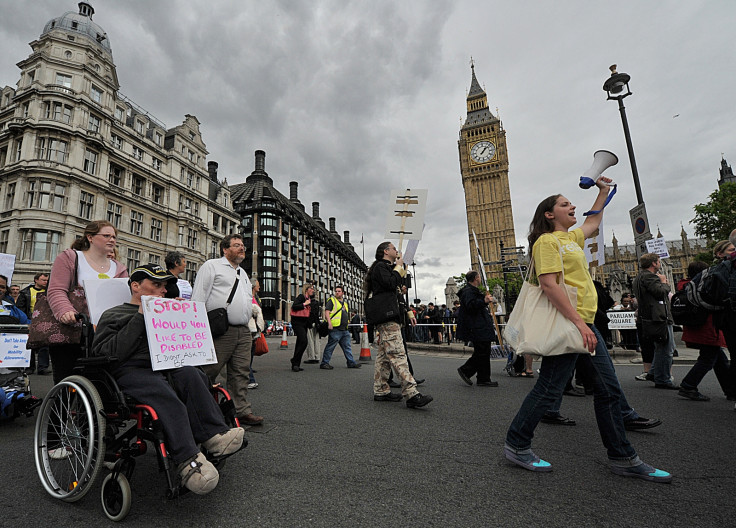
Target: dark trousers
x=187 y=411
x=63 y=359
x=710 y=357
x=300 y=329
x=730 y=334
x=43 y=359
x=480 y=362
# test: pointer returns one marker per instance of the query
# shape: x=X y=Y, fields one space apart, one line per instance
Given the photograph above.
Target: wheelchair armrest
x=96 y=361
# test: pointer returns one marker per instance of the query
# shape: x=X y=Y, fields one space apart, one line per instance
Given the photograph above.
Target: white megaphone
x=602 y=159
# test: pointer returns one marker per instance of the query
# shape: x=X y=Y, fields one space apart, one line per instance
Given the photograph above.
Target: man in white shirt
x=214 y=283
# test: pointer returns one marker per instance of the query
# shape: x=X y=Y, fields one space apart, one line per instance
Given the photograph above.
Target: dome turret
x=80 y=24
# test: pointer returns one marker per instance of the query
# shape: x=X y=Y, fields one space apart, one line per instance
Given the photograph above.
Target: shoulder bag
x=536 y=327
x=261 y=345
x=46 y=330
x=217 y=318
x=381 y=308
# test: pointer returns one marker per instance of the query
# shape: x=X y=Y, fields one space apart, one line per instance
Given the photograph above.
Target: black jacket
x=474 y=319
x=384 y=278
x=652 y=295
x=24 y=300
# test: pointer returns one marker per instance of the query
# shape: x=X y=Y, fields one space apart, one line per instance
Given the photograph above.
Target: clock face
x=483 y=151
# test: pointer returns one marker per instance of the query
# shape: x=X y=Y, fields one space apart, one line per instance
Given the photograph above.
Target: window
x=154 y=259
x=51 y=149
x=136 y=223
x=4 y=235
x=119 y=114
x=115 y=176
x=158 y=138
x=139 y=185
x=96 y=94
x=26 y=107
x=3 y=153
x=139 y=127
x=156 y=229
x=116 y=141
x=41 y=246
x=185 y=204
x=31 y=77
x=94 y=123
x=216 y=221
x=181 y=235
x=114 y=214
x=137 y=153
x=157 y=193
x=46 y=195
x=64 y=80
x=134 y=258
x=90 y=161
x=86 y=204
x=9 y=197
x=18 y=148
x=191 y=156
x=58 y=112
x=191 y=272
x=156 y=163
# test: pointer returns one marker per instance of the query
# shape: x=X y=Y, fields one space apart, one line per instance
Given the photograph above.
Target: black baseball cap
x=152 y=272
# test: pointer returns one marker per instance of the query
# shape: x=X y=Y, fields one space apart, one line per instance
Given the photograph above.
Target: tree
x=716 y=218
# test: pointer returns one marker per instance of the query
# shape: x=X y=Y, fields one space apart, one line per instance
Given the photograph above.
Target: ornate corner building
x=286 y=247
x=484 y=166
x=73 y=149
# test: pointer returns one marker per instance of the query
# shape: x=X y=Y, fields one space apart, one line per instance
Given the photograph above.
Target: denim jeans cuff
x=524 y=451
x=626 y=462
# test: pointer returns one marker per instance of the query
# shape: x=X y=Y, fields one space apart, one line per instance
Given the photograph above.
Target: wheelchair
x=86 y=423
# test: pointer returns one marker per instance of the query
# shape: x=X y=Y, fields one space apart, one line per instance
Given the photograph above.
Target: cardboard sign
x=658 y=246
x=405 y=218
x=103 y=294
x=13 y=351
x=178 y=333
x=7 y=267
x=621 y=320
x=185 y=289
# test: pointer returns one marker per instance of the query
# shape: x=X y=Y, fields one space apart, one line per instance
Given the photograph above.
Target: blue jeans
x=553 y=376
x=662 y=362
x=335 y=337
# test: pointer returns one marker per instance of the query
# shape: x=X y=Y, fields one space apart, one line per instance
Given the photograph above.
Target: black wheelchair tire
x=116 y=497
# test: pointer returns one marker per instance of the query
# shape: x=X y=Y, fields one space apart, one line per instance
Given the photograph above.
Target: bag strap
x=232 y=292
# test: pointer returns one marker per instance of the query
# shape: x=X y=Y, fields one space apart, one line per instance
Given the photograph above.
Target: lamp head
x=616 y=83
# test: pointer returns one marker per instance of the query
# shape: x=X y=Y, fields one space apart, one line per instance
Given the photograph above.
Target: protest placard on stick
x=178 y=333
x=13 y=352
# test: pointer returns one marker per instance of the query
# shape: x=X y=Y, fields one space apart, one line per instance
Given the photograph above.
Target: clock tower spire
x=484 y=166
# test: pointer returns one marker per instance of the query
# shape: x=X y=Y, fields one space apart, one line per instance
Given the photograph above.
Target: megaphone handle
x=608 y=199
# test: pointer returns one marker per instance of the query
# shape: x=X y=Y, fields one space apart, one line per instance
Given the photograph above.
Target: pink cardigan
x=60 y=281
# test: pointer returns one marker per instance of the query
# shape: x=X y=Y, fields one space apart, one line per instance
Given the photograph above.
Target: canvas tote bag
x=537 y=328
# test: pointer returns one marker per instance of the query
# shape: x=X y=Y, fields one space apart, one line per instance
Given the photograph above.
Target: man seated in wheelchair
x=186 y=409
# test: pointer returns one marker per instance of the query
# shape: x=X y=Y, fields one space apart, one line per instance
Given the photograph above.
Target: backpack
x=710 y=288
x=684 y=312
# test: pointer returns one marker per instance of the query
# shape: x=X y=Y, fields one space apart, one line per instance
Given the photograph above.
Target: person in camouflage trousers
x=386 y=275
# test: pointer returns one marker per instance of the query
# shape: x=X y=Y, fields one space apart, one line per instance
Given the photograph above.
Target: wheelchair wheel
x=116 y=497
x=69 y=438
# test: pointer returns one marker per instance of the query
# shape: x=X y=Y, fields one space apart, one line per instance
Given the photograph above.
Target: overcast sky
x=352 y=99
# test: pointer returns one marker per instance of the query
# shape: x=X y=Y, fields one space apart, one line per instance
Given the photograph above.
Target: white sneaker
x=253 y=385
x=641 y=377
x=60 y=453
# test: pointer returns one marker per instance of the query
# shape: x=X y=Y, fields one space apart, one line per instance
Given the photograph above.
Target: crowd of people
x=222 y=284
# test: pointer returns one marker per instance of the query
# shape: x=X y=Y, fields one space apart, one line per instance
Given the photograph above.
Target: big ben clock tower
x=484 y=165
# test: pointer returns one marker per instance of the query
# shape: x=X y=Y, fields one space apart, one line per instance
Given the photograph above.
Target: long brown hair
x=367 y=282
x=94 y=227
x=541 y=224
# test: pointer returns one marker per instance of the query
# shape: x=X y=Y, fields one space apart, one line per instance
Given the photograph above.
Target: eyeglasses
x=236 y=246
x=106 y=237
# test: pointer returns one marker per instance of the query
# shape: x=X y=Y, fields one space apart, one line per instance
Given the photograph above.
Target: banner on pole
x=178 y=333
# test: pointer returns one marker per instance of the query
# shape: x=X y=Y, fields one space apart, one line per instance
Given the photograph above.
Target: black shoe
x=393 y=384
x=574 y=391
x=693 y=394
x=296 y=368
x=650 y=377
x=392 y=397
x=354 y=365
x=419 y=381
x=488 y=383
x=418 y=400
x=464 y=376
x=641 y=423
x=666 y=386
x=557 y=420
x=326 y=366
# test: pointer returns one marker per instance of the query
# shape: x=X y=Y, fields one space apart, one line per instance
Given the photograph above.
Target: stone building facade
x=484 y=166
x=73 y=149
x=286 y=247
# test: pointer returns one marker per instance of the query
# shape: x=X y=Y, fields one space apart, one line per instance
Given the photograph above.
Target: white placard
x=594 y=248
x=13 y=352
x=658 y=246
x=178 y=333
x=185 y=289
x=405 y=219
x=621 y=320
x=103 y=294
x=7 y=267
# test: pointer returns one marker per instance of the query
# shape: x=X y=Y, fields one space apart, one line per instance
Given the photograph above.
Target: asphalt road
x=331 y=456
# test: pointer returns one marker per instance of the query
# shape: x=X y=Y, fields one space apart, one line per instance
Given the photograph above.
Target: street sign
x=640 y=225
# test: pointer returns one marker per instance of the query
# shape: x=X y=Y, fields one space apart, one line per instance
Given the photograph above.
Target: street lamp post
x=617 y=88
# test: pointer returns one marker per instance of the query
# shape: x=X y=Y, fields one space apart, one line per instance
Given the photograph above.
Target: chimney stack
x=212 y=170
x=260 y=160
x=293 y=191
x=347 y=237
x=315 y=210
x=332 y=225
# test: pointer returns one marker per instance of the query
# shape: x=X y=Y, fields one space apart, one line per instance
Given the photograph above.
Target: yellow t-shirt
x=546 y=254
